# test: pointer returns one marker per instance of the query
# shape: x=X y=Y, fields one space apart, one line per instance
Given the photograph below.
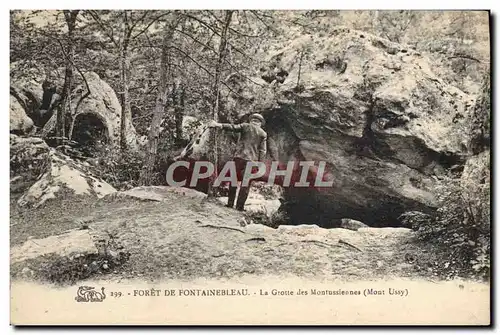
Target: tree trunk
x=218 y=73
x=298 y=88
x=64 y=109
x=179 y=112
x=126 y=113
x=179 y=96
x=161 y=101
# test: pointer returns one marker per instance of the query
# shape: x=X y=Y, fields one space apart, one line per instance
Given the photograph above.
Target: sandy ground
x=188 y=237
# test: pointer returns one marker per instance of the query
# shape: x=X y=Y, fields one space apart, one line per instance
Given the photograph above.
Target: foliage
x=119 y=168
x=479 y=121
x=68 y=270
x=273 y=220
x=28 y=161
x=417 y=220
x=460 y=228
x=267 y=191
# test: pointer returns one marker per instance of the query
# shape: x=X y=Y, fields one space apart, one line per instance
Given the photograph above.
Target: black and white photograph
x=250 y=167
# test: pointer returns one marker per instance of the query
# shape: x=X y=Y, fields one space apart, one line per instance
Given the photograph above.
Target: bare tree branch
x=218 y=34
x=204 y=69
x=150 y=24
x=97 y=19
x=226 y=61
x=134 y=23
x=207 y=71
x=84 y=96
x=232 y=29
x=260 y=19
x=467 y=57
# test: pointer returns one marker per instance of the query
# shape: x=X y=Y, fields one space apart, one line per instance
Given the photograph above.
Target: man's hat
x=258 y=117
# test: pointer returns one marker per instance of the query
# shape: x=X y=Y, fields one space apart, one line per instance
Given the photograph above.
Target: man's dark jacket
x=252 y=143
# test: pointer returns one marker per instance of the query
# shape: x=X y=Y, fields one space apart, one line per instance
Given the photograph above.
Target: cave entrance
x=308 y=206
x=322 y=206
x=90 y=133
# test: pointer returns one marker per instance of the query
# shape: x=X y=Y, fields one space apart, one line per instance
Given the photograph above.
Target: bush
x=417 y=221
x=479 y=120
x=273 y=220
x=460 y=229
x=269 y=192
x=121 y=169
x=464 y=222
x=29 y=159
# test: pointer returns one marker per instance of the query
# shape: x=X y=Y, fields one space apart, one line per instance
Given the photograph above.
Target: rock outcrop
x=29 y=158
x=374 y=111
x=159 y=193
x=41 y=173
x=77 y=241
x=29 y=94
x=97 y=115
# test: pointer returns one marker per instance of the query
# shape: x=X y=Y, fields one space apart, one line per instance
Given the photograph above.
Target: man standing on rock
x=251 y=147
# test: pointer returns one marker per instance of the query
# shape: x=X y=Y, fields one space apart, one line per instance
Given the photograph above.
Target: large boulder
x=41 y=173
x=376 y=113
x=35 y=93
x=102 y=110
x=20 y=123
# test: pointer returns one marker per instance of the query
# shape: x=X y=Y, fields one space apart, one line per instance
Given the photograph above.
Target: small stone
x=352 y=224
x=27 y=272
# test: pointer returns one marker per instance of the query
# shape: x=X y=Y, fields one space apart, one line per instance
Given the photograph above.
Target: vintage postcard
x=250 y=167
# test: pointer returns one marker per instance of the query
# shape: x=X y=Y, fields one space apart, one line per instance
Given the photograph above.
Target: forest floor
x=185 y=236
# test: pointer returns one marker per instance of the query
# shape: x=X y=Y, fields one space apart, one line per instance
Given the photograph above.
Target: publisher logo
x=88 y=294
